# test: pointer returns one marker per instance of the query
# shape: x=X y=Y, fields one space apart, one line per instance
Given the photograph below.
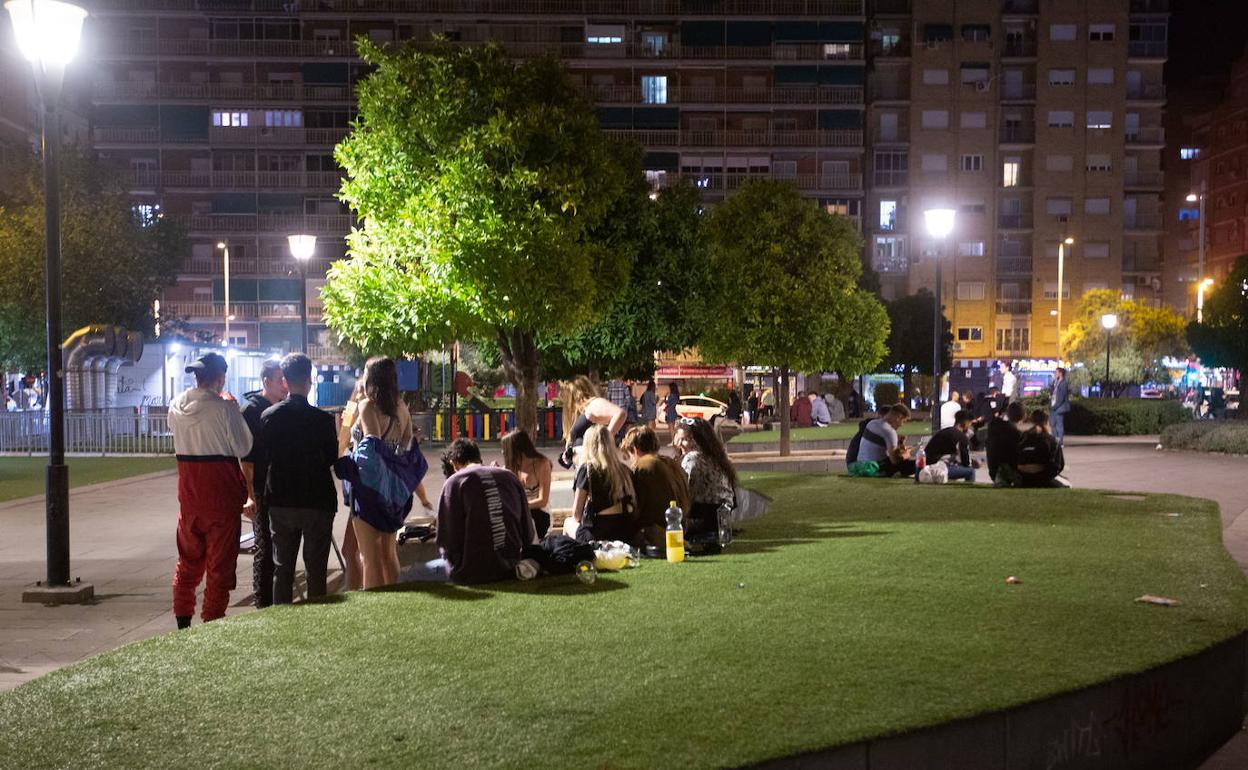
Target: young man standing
x=1059 y=405
x=953 y=445
x=300 y=444
x=255 y=472
x=881 y=444
x=209 y=438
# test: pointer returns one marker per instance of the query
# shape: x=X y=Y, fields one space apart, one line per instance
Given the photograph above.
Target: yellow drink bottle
x=675 y=533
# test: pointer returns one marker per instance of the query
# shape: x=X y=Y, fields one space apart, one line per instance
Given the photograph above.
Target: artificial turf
x=858 y=607
x=839 y=431
x=24 y=476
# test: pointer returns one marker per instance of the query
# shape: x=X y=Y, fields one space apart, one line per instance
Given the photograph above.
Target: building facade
x=1036 y=120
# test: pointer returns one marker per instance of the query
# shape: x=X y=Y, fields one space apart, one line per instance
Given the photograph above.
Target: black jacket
x=1002 y=444
x=299 y=444
x=254 y=404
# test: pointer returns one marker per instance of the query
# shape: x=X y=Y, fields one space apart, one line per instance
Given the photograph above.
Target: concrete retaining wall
x=1168 y=718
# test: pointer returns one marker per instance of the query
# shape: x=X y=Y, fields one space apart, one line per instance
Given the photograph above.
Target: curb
x=6 y=505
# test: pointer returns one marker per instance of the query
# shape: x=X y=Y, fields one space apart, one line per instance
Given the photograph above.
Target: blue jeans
x=434 y=571
x=1057 y=421
x=960 y=472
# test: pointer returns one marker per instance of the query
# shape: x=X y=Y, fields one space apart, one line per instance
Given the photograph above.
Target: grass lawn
x=843 y=430
x=23 y=476
x=859 y=607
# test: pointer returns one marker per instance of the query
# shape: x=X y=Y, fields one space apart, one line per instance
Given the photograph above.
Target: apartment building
x=1036 y=120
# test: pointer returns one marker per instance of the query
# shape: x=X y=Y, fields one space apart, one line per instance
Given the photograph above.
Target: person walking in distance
x=210 y=437
x=273 y=390
x=299 y=444
x=649 y=405
x=1059 y=405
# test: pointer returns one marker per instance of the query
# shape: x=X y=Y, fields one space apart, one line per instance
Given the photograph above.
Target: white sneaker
x=527 y=569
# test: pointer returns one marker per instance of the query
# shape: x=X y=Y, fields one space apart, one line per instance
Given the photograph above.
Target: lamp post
x=1200 y=198
x=939 y=224
x=1061 y=288
x=1108 y=321
x=1201 y=288
x=225 y=250
x=47 y=34
x=301 y=248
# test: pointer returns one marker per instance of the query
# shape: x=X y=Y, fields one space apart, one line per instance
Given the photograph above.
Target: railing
x=263 y=311
x=1145 y=221
x=111 y=89
x=762 y=138
x=479 y=8
x=1014 y=265
x=1150 y=6
x=332 y=224
x=719 y=182
x=898 y=134
x=248 y=49
x=1144 y=178
x=112 y=431
x=801 y=94
x=1155 y=135
x=900 y=49
x=1147 y=92
x=1019 y=49
x=892 y=178
x=900 y=7
x=1014 y=221
x=1147 y=49
x=1014 y=306
x=286 y=180
x=1017 y=135
x=326 y=354
x=883 y=91
x=223 y=136
x=1025 y=7
x=247 y=266
x=1018 y=92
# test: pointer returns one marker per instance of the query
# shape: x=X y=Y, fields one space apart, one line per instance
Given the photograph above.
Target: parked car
x=708 y=409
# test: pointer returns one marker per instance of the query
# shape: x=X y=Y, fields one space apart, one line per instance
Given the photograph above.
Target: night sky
x=1207 y=36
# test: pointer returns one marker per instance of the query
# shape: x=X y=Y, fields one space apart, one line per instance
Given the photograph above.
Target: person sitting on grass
x=799 y=410
x=1004 y=435
x=953 y=445
x=881 y=444
x=712 y=477
x=657 y=480
x=1040 y=458
x=534 y=471
x=604 y=506
x=819 y=415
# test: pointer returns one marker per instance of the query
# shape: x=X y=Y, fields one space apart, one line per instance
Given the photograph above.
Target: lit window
x=1100 y=119
x=837 y=50
x=654 y=89
x=226 y=119
x=146 y=214
x=890 y=254
x=604 y=34
x=283 y=118
x=1189 y=153
x=888 y=215
x=1011 y=168
x=971 y=249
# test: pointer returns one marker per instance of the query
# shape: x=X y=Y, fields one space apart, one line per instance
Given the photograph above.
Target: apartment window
x=1062 y=32
x=937 y=33
x=975 y=72
x=970 y=291
x=784 y=169
x=1096 y=249
x=1100 y=119
x=935 y=77
x=283 y=118
x=935 y=163
x=970 y=334
x=935 y=119
x=1101 y=76
x=976 y=32
x=1189 y=153
x=1102 y=33
x=654 y=43
x=1096 y=206
x=225 y=119
x=1061 y=77
x=1050 y=290
x=888 y=215
x=1058 y=207
x=837 y=50
x=1061 y=119
x=889 y=255
x=654 y=89
x=1058 y=163
x=973 y=120
x=146 y=214
x=971 y=249
x=1099 y=162
x=1014 y=340
x=972 y=163
x=975 y=206
x=604 y=34
x=890 y=167
x=1011 y=169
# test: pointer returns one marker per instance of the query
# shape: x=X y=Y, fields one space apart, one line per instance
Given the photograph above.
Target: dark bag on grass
x=851 y=454
x=558 y=554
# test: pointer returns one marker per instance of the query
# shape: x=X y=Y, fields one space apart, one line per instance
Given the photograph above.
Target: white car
x=708 y=409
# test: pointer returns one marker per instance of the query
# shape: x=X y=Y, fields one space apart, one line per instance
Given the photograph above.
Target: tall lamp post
x=47 y=34
x=1108 y=322
x=1201 y=288
x=301 y=248
x=1061 y=288
x=225 y=252
x=939 y=224
x=1200 y=198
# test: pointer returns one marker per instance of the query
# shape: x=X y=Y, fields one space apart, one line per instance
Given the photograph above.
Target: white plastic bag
x=934 y=473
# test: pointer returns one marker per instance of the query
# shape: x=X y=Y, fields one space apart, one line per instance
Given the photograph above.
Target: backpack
x=851 y=453
x=1040 y=449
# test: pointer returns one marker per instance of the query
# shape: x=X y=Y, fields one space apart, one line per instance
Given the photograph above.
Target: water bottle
x=675 y=533
x=586 y=572
x=725 y=524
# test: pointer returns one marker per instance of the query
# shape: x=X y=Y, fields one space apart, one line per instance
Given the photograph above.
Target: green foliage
x=910 y=335
x=1123 y=416
x=1229 y=436
x=1222 y=340
x=1144 y=336
x=887 y=393
x=112 y=267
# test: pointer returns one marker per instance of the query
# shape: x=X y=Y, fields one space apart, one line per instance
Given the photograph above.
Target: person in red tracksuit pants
x=210 y=437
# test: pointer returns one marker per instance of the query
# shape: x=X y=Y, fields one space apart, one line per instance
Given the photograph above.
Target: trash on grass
x=1011 y=580
x=1161 y=600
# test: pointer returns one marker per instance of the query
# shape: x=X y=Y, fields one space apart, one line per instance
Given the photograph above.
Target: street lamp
x=225 y=250
x=1061 y=288
x=1108 y=321
x=939 y=224
x=1200 y=198
x=1201 y=288
x=301 y=248
x=47 y=34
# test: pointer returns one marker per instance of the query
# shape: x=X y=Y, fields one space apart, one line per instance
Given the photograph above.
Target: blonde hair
x=574 y=395
x=602 y=456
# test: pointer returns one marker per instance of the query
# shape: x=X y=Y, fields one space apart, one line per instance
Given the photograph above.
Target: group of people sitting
x=813 y=410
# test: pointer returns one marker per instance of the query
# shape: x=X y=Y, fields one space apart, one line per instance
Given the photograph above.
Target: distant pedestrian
x=768 y=403
x=670 y=402
x=752 y=405
x=1059 y=404
x=854 y=406
x=1009 y=383
x=649 y=405
x=299 y=444
x=255 y=472
x=210 y=437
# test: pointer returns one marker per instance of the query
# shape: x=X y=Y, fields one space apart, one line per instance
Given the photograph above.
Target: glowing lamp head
x=220 y=244
x=939 y=222
x=47 y=31
x=1109 y=321
x=1207 y=283
x=1192 y=198
x=302 y=246
x=1069 y=241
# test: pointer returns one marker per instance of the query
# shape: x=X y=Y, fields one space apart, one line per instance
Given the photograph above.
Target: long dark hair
x=381 y=384
x=1040 y=421
x=672 y=387
x=703 y=436
x=518 y=447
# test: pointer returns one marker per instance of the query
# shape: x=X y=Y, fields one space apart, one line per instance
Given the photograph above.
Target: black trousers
x=262 y=562
x=290 y=525
x=903 y=468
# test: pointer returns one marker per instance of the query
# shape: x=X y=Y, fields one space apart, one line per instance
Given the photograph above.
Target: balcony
x=1019 y=49
x=326 y=354
x=1020 y=7
x=891 y=178
x=1152 y=136
x=1016 y=135
x=230 y=180
x=1014 y=221
x=1150 y=179
x=899 y=50
x=1018 y=92
x=239 y=311
x=1142 y=221
x=885 y=91
x=1147 y=92
x=243 y=137
x=893 y=7
x=1147 y=49
x=1014 y=265
x=481 y=8
x=737 y=138
x=240 y=266
x=218 y=224
x=792 y=94
x=1150 y=6
x=1014 y=307
x=108 y=90
x=726 y=182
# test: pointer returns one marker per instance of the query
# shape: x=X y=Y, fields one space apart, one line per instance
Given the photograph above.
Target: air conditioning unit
x=983 y=86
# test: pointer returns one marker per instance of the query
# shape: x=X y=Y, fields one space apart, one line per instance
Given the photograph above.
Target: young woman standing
x=669 y=406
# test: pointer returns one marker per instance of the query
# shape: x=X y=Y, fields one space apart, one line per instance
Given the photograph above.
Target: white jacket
x=206 y=425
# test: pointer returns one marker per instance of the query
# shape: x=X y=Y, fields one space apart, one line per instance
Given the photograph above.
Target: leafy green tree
x=114 y=262
x=492 y=207
x=910 y=338
x=1144 y=336
x=802 y=308
x=1222 y=340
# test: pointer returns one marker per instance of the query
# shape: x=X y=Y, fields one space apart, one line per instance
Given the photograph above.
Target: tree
x=1222 y=340
x=802 y=308
x=492 y=207
x=1144 y=336
x=910 y=338
x=114 y=260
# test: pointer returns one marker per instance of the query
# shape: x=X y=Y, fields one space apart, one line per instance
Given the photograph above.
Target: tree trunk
x=782 y=404
x=522 y=367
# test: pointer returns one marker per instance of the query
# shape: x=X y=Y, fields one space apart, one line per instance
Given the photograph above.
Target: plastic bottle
x=675 y=533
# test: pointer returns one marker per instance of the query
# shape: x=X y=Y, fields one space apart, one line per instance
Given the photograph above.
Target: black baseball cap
x=209 y=363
